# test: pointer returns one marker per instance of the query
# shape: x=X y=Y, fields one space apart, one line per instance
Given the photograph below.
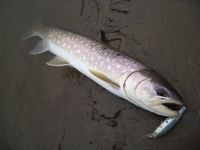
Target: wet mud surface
x=46 y=108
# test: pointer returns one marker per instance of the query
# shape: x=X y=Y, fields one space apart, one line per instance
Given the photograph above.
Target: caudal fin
x=39 y=48
x=31 y=31
x=28 y=32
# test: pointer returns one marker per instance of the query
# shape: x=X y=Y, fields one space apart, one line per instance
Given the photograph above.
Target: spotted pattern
x=91 y=53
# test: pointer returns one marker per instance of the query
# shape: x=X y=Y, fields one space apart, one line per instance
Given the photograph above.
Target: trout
x=114 y=71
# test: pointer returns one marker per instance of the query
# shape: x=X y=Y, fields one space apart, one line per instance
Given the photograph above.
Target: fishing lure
x=166 y=125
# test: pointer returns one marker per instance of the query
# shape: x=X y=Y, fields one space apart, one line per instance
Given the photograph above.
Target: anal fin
x=104 y=78
x=39 y=48
x=58 y=62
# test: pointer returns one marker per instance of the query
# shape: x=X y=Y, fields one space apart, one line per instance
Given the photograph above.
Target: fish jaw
x=163 y=110
x=168 y=107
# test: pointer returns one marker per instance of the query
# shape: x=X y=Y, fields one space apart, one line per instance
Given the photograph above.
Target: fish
x=166 y=125
x=120 y=74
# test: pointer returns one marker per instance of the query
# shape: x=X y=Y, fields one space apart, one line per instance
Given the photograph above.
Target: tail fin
x=32 y=26
x=39 y=48
x=34 y=31
x=27 y=33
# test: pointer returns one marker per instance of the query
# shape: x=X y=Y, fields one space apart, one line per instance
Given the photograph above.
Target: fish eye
x=162 y=92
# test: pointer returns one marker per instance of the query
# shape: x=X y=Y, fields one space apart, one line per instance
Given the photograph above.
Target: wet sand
x=49 y=108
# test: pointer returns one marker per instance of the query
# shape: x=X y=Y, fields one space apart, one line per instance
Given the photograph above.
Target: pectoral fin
x=104 y=78
x=58 y=62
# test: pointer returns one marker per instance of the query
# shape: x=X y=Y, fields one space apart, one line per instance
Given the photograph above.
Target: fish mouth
x=167 y=107
x=172 y=106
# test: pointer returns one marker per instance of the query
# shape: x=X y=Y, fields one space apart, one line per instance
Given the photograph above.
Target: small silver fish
x=166 y=125
x=119 y=74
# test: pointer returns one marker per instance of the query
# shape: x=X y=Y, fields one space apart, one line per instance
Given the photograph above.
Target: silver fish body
x=119 y=74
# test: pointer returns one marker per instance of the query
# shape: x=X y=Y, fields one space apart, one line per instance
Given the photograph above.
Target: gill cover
x=149 y=90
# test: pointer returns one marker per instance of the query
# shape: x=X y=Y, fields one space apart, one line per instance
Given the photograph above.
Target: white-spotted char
x=119 y=74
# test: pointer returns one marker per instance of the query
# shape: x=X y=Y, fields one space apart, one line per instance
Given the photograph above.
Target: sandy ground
x=48 y=108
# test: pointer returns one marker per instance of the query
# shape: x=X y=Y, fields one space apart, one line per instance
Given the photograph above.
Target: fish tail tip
x=27 y=33
x=31 y=30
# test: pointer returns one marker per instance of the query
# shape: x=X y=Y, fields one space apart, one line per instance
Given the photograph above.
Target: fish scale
x=119 y=74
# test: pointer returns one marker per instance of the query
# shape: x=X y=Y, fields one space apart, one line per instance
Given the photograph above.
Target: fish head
x=149 y=90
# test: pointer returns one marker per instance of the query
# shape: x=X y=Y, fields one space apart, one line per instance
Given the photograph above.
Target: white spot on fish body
x=78 y=51
x=118 y=66
x=108 y=67
x=132 y=70
x=101 y=64
x=64 y=44
x=123 y=71
x=69 y=46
